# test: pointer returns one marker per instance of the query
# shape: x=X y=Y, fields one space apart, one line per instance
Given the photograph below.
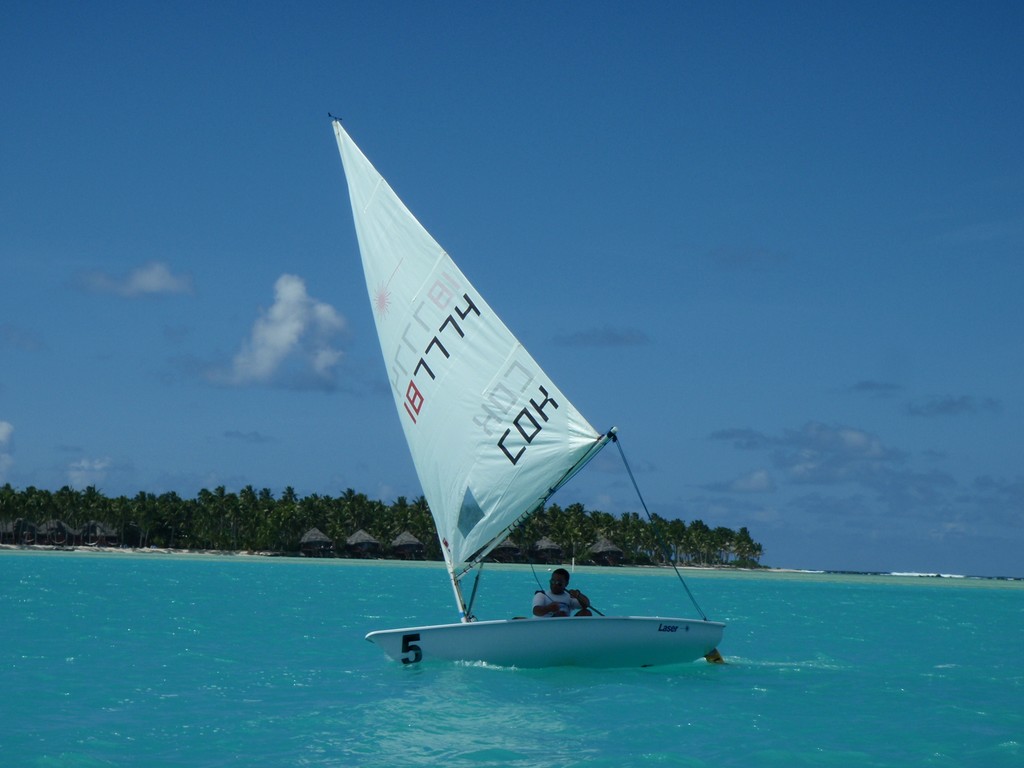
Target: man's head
x=559 y=580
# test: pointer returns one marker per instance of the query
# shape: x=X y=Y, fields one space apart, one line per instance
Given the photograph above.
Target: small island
x=349 y=525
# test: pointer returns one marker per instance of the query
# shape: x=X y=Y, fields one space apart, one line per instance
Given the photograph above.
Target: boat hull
x=581 y=641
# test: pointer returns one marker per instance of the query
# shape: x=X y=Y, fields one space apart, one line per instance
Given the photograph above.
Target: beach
x=766 y=570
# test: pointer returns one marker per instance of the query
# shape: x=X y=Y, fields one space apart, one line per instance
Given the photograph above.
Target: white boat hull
x=582 y=641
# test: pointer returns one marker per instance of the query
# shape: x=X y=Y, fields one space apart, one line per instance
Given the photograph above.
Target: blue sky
x=777 y=244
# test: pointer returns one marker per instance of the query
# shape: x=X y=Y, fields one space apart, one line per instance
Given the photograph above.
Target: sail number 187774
x=414 y=398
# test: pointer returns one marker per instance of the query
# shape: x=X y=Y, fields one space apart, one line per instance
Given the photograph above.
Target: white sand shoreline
x=138 y=550
x=710 y=570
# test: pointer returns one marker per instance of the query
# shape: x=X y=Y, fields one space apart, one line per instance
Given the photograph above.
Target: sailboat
x=491 y=437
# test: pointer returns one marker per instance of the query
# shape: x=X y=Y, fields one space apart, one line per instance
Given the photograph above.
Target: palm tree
x=748 y=551
x=723 y=545
x=146 y=515
x=9 y=506
x=249 y=518
x=423 y=528
x=675 y=538
x=698 y=537
x=256 y=521
x=173 y=518
x=67 y=507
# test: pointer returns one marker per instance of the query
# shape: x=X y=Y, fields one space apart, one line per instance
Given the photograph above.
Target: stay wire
x=472 y=595
x=654 y=527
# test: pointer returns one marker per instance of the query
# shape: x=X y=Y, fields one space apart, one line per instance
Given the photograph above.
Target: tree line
x=256 y=521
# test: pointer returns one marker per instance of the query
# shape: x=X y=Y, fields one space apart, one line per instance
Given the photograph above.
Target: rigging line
x=472 y=595
x=654 y=527
x=570 y=473
x=534 y=571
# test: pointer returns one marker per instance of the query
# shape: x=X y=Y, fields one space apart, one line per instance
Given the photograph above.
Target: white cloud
x=758 y=481
x=291 y=340
x=86 y=472
x=821 y=454
x=151 y=279
x=852 y=459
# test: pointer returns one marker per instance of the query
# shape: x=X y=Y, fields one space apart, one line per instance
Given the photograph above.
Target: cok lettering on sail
x=527 y=426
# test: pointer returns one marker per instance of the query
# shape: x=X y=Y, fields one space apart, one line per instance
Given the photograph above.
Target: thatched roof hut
x=9 y=531
x=546 y=551
x=315 y=543
x=99 y=534
x=362 y=544
x=23 y=531
x=407 y=547
x=604 y=552
x=506 y=552
x=55 y=532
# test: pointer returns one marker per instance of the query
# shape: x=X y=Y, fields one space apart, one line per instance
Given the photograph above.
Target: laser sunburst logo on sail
x=382 y=296
x=382 y=300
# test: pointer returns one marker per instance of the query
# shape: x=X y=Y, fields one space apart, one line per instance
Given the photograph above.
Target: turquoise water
x=154 y=659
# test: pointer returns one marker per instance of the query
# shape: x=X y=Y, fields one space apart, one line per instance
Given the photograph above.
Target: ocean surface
x=176 y=660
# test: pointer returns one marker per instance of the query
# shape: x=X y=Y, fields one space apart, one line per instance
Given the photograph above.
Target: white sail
x=490 y=434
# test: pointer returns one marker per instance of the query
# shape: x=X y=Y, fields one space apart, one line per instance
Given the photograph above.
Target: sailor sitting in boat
x=559 y=601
